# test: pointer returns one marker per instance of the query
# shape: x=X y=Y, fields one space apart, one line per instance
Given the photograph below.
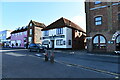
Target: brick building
x=102 y=26
x=34 y=33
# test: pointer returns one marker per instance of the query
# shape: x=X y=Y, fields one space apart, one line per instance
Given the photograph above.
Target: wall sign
x=115 y=35
x=110 y=42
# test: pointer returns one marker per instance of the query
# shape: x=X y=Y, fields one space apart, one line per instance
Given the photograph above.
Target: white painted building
x=58 y=35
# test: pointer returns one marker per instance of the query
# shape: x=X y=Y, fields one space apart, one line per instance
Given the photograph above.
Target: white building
x=3 y=37
x=63 y=34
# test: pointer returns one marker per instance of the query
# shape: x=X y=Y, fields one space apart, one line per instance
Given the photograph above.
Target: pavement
x=85 y=52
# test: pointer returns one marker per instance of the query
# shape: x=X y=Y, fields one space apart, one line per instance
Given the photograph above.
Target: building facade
x=3 y=37
x=34 y=33
x=103 y=26
x=19 y=37
x=63 y=34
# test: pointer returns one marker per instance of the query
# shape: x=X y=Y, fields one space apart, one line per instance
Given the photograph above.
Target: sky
x=18 y=14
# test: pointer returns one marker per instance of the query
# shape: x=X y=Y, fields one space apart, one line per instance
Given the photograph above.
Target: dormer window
x=97 y=2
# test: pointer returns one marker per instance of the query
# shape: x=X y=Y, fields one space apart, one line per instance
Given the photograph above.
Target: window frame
x=30 y=32
x=99 y=20
x=59 y=31
x=46 y=33
x=99 y=45
x=59 y=42
x=30 y=39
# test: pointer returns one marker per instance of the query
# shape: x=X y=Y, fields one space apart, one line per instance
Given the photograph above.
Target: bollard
x=46 y=57
x=52 y=58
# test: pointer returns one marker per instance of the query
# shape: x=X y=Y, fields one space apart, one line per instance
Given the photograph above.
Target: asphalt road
x=20 y=63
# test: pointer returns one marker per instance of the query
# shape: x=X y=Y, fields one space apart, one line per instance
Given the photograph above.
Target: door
x=52 y=42
x=118 y=43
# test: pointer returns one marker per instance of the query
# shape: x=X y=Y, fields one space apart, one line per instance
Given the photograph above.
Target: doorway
x=99 y=43
x=118 y=43
x=52 y=44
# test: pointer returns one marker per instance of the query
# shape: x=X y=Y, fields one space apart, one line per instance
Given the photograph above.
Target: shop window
x=98 y=20
x=59 y=42
x=99 y=42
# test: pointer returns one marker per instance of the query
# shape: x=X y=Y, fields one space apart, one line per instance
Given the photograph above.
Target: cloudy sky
x=18 y=14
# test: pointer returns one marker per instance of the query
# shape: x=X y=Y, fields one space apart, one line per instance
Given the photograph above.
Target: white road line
x=15 y=54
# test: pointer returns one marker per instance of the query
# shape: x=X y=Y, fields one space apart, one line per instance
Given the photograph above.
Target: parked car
x=36 y=47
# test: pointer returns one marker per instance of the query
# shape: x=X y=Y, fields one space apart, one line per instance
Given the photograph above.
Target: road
x=20 y=63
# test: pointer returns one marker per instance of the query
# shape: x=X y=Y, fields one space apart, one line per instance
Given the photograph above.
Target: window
x=30 y=39
x=99 y=42
x=59 y=42
x=18 y=34
x=25 y=39
x=25 y=33
x=21 y=33
x=98 y=2
x=98 y=20
x=30 y=24
x=46 y=33
x=69 y=42
x=59 y=30
x=30 y=31
x=63 y=42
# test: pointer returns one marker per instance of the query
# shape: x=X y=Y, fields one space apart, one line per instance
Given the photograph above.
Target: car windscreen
x=32 y=45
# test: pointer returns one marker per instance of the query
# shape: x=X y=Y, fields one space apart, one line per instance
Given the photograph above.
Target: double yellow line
x=97 y=70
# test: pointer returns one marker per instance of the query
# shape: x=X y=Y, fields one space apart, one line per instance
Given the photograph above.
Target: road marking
x=97 y=70
x=15 y=54
x=103 y=55
x=89 y=68
x=12 y=50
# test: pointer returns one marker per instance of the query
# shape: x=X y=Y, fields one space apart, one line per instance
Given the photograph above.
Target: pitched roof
x=38 y=24
x=63 y=22
x=24 y=28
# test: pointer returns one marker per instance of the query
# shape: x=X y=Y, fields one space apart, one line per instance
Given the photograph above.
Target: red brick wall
x=77 y=40
x=109 y=25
